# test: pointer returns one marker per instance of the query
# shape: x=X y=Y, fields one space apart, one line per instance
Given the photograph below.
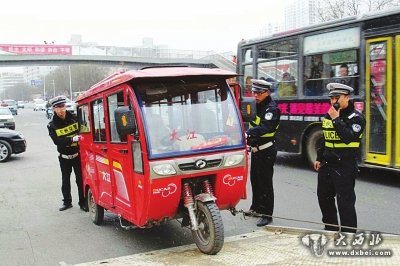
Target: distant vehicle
x=71 y=106
x=39 y=105
x=20 y=104
x=12 y=105
x=11 y=142
x=6 y=118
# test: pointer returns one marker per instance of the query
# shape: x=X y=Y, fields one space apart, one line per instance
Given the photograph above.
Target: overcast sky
x=207 y=25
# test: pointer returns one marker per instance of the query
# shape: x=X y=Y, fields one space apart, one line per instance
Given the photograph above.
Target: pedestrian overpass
x=126 y=57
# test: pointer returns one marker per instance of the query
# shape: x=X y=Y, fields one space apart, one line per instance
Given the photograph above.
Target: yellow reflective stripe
x=269 y=134
x=342 y=145
x=331 y=135
x=67 y=130
x=255 y=121
x=117 y=165
x=326 y=123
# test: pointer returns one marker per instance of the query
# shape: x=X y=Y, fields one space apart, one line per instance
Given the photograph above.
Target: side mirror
x=248 y=108
x=125 y=121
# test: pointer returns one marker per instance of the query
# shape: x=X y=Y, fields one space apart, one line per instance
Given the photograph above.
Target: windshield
x=10 y=102
x=188 y=116
x=5 y=111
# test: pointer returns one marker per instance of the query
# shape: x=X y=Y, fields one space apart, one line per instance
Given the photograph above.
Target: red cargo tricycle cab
x=164 y=143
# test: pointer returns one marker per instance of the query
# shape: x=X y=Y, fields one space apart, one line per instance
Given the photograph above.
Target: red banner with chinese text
x=36 y=49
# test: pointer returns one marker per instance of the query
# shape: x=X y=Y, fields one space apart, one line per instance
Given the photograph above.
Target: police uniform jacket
x=62 y=131
x=342 y=136
x=263 y=128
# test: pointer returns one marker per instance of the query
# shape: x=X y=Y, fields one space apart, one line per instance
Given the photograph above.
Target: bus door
x=397 y=131
x=379 y=104
x=120 y=157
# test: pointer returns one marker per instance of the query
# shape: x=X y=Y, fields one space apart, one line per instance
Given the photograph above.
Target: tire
x=95 y=210
x=313 y=141
x=5 y=151
x=209 y=237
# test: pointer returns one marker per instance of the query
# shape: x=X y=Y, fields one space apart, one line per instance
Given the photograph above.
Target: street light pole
x=54 y=89
x=70 y=82
x=44 y=88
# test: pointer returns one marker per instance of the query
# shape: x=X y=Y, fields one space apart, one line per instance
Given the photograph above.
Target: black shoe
x=83 y=207
x=264 y=221
x=65 y=206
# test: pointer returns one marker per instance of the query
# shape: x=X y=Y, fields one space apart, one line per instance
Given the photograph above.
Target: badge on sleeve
x=268 y=116
x=356 y=127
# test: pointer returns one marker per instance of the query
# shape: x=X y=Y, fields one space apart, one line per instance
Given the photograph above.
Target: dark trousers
x=261 y=173
x=66 y=166
x=338 y=180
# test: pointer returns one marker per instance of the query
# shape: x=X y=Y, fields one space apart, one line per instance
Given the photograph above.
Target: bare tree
x=83 y=76
x=336 y=9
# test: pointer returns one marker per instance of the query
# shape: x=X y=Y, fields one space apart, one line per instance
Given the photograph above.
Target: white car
x=39 y=105
x=71 y=106
x=6 y=118
x=20 y=104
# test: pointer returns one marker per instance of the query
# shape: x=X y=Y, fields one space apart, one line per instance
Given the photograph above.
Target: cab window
x=83 y=119
x=114 y=101
x=99 y=133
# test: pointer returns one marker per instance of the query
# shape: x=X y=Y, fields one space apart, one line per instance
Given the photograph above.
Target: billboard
x=36 y=49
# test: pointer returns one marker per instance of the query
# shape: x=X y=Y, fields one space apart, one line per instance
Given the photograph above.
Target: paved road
x=34 y=232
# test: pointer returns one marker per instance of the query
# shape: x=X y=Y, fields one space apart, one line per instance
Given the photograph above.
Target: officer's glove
x=76 y=138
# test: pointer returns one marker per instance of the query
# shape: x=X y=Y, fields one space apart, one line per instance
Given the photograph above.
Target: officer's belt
x=262 y=147
x=69 y=157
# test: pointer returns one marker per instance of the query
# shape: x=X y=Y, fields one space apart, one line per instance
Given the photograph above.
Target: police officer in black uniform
x=337 y=160
x=261 y=139
x=63 y=130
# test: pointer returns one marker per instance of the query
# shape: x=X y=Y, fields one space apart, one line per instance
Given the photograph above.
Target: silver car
x=12 y=105
x=6 y=118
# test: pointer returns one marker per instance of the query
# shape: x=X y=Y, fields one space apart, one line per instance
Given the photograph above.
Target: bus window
x=248 y=75
x=277 y=64
x=282 y=75
x=248 y=56
x=338 y=67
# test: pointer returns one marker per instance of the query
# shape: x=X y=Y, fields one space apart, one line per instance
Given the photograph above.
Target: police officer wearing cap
x=337 y=160
x=261 y=139
x=63 y=130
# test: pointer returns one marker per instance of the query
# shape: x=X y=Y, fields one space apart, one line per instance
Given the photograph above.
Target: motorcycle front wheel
x=209 y=237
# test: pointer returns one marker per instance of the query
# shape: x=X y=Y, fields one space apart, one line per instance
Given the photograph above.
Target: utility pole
x=70 y=82
x=54 y=88
x=44 y=88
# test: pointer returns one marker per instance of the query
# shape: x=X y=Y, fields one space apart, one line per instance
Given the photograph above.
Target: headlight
x=10 y=120
x=164 y=169
x=234 y=159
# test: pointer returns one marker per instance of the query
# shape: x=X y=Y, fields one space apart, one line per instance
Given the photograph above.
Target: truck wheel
x=95 y=210
x=209 y=237
x=5 y=151
x=314 y=140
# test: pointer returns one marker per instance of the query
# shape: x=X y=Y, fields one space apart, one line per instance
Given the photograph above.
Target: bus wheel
x=209 y=237
x=96 y=211
x=314 y=140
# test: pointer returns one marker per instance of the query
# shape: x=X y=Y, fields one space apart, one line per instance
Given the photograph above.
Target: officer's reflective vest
x=257 y=122
x=332 y=139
